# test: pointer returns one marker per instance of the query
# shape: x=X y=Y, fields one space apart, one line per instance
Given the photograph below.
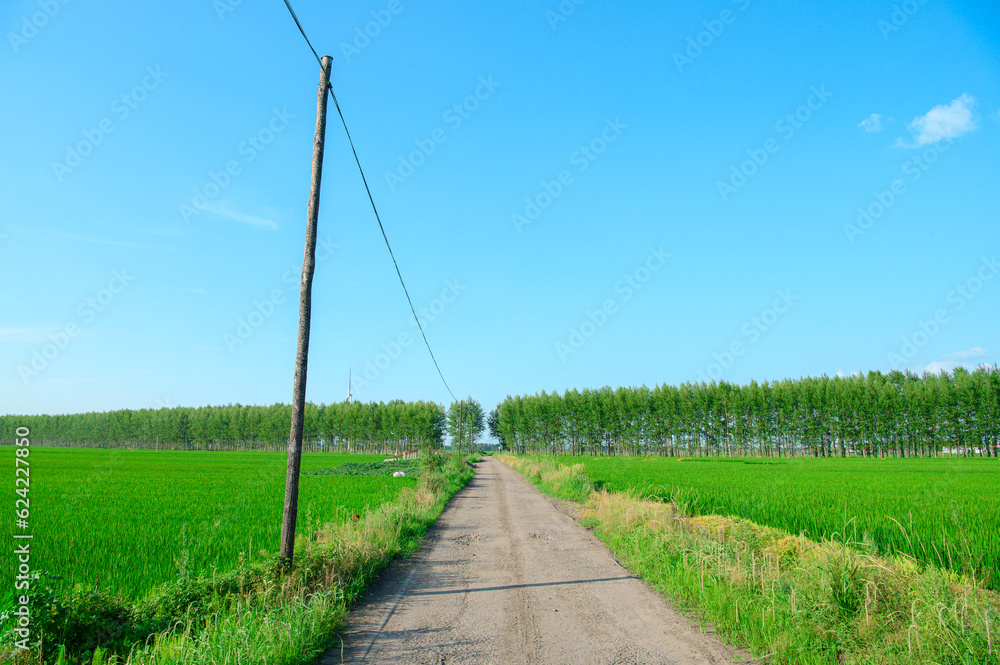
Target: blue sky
x=578 y=194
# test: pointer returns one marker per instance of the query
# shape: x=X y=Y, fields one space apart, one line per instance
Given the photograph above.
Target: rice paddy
x=125 y=521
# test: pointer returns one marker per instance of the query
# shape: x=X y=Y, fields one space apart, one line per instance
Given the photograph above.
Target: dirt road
x=506 y=577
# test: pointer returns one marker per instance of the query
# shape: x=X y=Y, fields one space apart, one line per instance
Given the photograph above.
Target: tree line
x=875 y=415
x=379 y=427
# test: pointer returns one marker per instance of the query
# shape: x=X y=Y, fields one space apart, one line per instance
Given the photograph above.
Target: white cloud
x=256 y=222
x=872 y=123
x=974 y=352
x=970 y=360
x=25 y=334
x=946 y=121
x=936 y=367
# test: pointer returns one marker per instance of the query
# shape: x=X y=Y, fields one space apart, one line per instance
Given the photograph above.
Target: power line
x=304 y=35
x=384 y=237
x=371 y=200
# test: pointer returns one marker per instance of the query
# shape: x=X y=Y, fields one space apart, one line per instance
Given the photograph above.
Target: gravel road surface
x=505 y=577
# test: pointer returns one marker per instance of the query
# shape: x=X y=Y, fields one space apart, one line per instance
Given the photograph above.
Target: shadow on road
x=519 y=586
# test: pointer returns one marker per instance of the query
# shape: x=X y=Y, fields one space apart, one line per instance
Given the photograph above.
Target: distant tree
x=465 y=423
x=493 y=421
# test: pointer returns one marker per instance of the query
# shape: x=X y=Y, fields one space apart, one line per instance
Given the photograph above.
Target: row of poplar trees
x=875 y=415
x=394 y=427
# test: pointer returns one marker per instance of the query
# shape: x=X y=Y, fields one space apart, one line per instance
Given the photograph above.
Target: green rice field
x=940 y=511
x=127 y=520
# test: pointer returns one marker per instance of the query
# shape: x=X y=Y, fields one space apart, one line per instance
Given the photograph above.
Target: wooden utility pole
x=305 y=311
